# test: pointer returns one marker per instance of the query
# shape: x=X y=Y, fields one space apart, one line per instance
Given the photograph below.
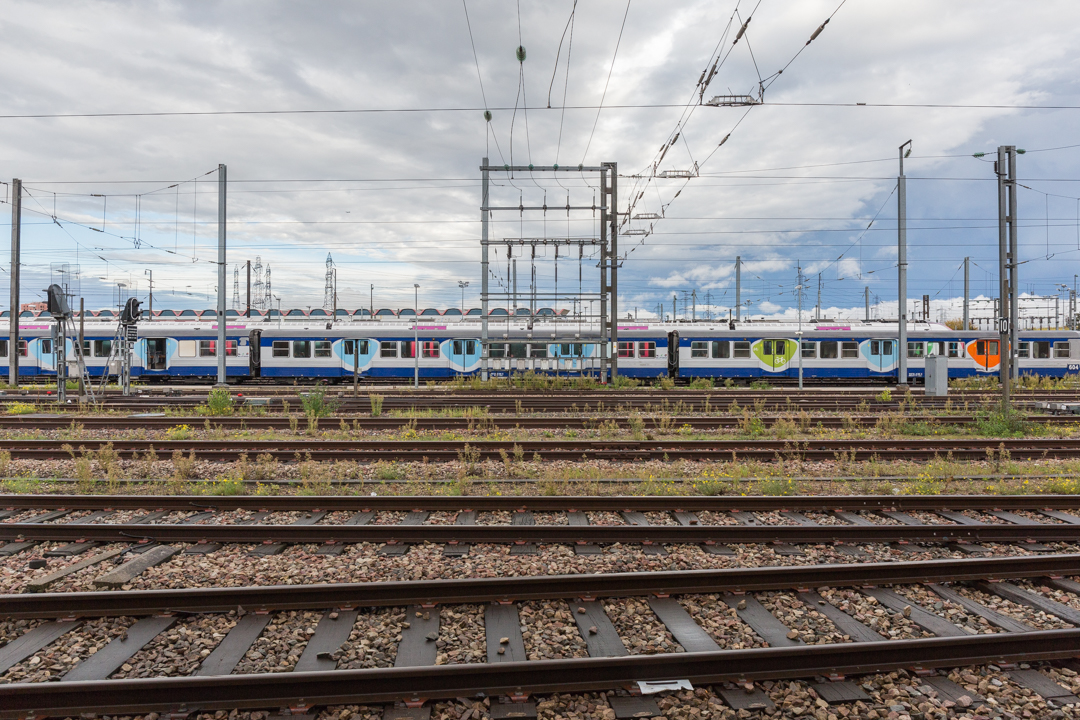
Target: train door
x=156 y=353
x=882 y=355
x=673 y=354
x=255 y=354
x=987 y=353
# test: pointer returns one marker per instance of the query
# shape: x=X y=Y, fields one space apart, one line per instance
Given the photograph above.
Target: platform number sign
x=1003 y=326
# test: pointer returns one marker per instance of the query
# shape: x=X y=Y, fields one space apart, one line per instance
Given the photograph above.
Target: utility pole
x=819 y=297
x=799 y=289
x=416 y=336
x=675 y=307
x=967 y=291
x=693 y=316
x=16 y=238
x=1014 y=265
x=866 y=299
x=738 y=287
x=247 y=313
x=82 y=349
x=1006 y=162
x=514 y=290
x=463 y=284
x=221 y=278
x=901 y=266
x=151 y=274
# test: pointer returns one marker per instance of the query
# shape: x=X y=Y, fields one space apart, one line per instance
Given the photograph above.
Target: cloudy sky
x=117 y=114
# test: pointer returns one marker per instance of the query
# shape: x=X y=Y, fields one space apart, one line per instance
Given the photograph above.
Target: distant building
x=34 y=307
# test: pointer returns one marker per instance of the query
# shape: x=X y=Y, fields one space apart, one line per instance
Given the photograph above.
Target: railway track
x=711 y=522
x=666 y=423
x=952 y=613
x=624 y=450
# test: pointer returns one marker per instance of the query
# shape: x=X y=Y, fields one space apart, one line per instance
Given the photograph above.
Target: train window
x=86 y=348
x=829 y=349
x=459 y=347
x=849 y=350
x=767 y=349
x=470 y=347
x=915 y=349
x=279 y=349
x=1040 y=350
x=538 y=350
x=497 y=351
x=388 y=349
x=779 y=347
x=3 y=348
x=809 y=349
x=955 y=349
x=646 y=349
x=103 y=348
x=699 y=349
x=1023 y=350
x=301 y=348
x=875 y=347
x=721 y=349
x=431 y=348
x=208 y=348
x=887 y=347
x=347 y=347
x=46 y=345
x=408 y=349
x=626 y=349
x=742 y=348
x=517 y=350
x=1061 y=349
x=324 y=349
x=22 y=349
x=230 y=348
x=364 y=347
x=184 y=348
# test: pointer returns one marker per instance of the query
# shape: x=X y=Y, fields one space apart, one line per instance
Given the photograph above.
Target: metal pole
x=901 y=264
x=247 y=312
x=866 y=298
x=1014 y=265
x=613 y=258
x=1000 y=169
x=514 y=304
x=221 y=278
x=151 y=274
x=416 y=336
x=371 y=302
x=355 y=368
x=693 y=313
x=967 y=292
x=605 y=348
x=819 y=296
x=485 y=357
x=13 y=320
x=799 y=289
x=738 y=288
x=82 y=360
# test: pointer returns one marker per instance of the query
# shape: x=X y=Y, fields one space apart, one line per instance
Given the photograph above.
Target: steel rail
x=343 y=687
x=565 y=534
x=497 y=421
x=483 y=590
x=436 y=450
x=546 y=503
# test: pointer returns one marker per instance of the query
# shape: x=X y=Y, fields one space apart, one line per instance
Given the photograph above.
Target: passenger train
x=327 y=347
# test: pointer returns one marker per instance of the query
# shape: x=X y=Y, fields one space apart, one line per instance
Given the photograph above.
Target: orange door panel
x=985 y=353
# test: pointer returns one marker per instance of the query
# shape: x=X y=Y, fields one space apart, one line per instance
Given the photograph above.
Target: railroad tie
x=1031 y=599
x=108 y=659
x=993 y=617
x=336 y=548
x=681 y=625
x=576 y=518
x=1039 y=683
x=13 y=548
x=417 y=648
x=133 y=568
x=271 y=548
x=205 y=548
x=230 y=651
x=689 y=519
x=145 y=545
x=77 y=548
x=33 y=640
x=415 y=517
x=948 y=690
x=330 y=634
x=41 y=584
x=523 y=518
x=1064 y=517
x=602 y=640
x=926 y=620
x=852 y=628
x=780 y=548
x=958 y=517
x=638 y=519
x=502 y=628
x=456 y=549
x=761 y=621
